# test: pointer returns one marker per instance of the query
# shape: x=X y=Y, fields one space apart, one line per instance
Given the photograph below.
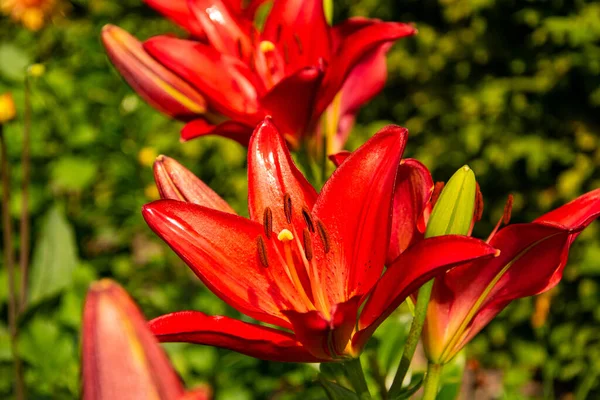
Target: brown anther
x=268 y=222
x=308 y=219
x=298 y=43
x=252 y=64
x=324 y=236
x=278 y=33
x=286 y=53
x=508 y=209
x=239 y=49
x=287 y=207
x=262 y=252
x=478 y=204
x=437 y=190
x=308 y=249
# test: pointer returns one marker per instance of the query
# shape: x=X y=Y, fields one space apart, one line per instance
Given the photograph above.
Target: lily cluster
x=227 y=75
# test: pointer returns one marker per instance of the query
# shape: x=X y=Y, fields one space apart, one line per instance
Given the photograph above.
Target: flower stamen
x=268 y=222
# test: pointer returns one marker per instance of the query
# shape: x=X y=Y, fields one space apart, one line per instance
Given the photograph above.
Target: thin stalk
x=413 y=337
x=24 y=227
x=356 y=376
x=432 y=381
x=9 y=261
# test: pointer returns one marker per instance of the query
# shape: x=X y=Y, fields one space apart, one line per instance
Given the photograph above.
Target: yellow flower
x=31 y=13
x=8 y=110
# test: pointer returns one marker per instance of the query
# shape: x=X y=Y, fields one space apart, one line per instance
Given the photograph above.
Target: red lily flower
x=302 y=262
x=121 y=357
x=228 y=76
x=532 y=259
x=465 y=299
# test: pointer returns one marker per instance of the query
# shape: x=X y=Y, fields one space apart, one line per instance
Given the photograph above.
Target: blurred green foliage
x=511 y=88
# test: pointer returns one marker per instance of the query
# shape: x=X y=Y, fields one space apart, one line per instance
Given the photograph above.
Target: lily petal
x=121 y=357
x=418 y=264
x=275 y=183
x=225 y=32
x=230 y=93
x=230 y=129
x=160 y=87
x=176 y=182
x=250 y=339
x=295 y=92
x=299 y=30
x=354 y=210
x=230 y=254
x=352 y=51
x=414 y=186
x=326 y=338
x=179 y=12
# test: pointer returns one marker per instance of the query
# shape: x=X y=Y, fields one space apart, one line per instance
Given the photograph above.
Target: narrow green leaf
x=337 y=392
x=454 y=209
x=415 y=384
x=54 y=257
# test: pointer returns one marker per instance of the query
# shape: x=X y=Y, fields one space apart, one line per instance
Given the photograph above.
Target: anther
x=324 y=236
x=287 y=207
x=239 y=48
x=268 y=222
x=308 y=219
x=278 y=33
x=285 y=236
x=262 y=252
x=508 y=209
x=308 y=250
x=286 y=53
x=299 y=43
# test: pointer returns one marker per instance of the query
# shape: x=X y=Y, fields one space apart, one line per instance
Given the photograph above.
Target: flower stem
x=413 y=338
x=24 y=227
x=432 y=381
x=356 y=376
x=9 y=262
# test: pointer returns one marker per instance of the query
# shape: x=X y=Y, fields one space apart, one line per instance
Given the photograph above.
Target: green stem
x=413 y=338
x=24 y=227
x=9 y=262
x=432 y=381
x=356 y=376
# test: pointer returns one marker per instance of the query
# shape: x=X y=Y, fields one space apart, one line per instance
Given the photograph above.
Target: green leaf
x=54 y=257
x=337 y=392
x=453 y=212
x=73 y=173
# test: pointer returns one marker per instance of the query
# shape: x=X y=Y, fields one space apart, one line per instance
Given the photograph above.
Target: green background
x=510 y=87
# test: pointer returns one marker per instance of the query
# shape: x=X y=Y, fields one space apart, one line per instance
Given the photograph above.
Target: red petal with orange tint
x=299 y=30
x=414 y=186
x=414 y=267
x=352 y=51
x=354 y=209
x=224 y=252
x=179 y=12
x=274 y=182
x=227 y=91
x=176 y=182
x=250 y=339
x=121 y=359
x=290 y=103
x=230 y=129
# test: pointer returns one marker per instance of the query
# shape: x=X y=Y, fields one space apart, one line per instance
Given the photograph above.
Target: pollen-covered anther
x=262 y=252
x=324 y=236
x=298 y=43
x=508 y=209
x=308 y=249
x=287 y=207
x=285 y=236
x=308 y=219
x=268 y=222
